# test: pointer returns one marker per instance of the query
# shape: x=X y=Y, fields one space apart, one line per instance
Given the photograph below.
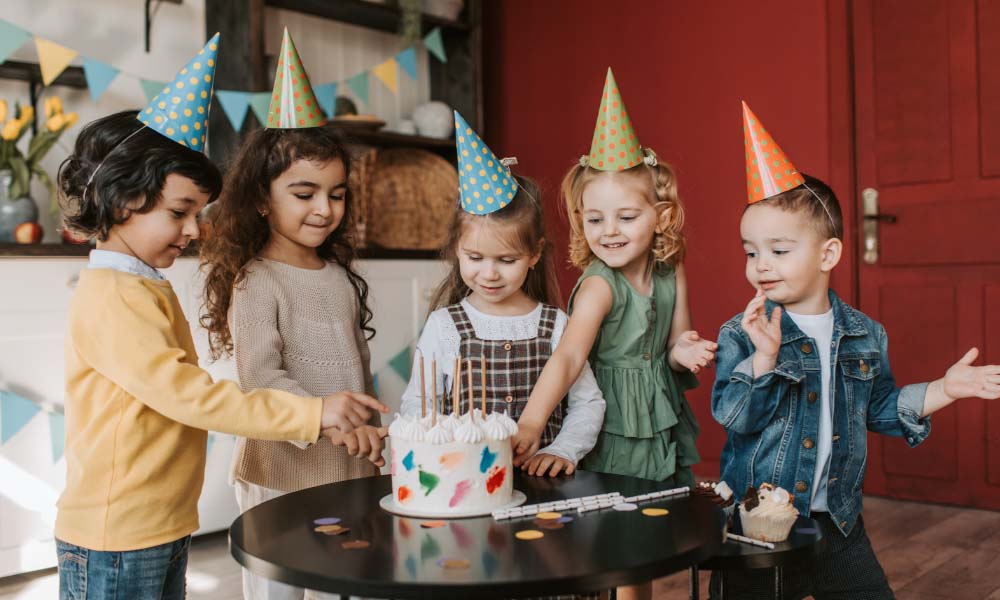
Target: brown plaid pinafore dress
x=512 y=368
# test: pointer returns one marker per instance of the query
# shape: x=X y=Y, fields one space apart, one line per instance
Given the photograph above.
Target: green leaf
x=21 y=180
x=49 y=185
x=40 y=146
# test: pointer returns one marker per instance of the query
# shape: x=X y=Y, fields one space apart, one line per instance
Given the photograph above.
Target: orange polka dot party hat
x=293 y=102
x=485 y=183
x=615 y=146
x=769 y=172
x=180 y=111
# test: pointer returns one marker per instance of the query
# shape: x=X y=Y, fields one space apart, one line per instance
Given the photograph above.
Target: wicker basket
x=409 y=198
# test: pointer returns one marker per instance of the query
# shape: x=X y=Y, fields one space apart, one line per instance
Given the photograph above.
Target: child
x=498 y=303
x=629 y=310
x=797 y=422
x=137 y=405
x=281 y=294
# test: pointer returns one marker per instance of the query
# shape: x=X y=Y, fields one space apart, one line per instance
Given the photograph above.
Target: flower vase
x=13 y=211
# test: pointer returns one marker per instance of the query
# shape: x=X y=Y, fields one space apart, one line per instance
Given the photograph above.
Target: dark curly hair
x=134 y=164
x=238 y=233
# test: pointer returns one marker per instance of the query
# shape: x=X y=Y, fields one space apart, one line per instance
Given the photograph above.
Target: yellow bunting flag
x=53 y=59
x=388 y=73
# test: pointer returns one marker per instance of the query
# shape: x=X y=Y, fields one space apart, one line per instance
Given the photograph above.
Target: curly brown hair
x=522 y=224
x=668 y=244
x=238 y=233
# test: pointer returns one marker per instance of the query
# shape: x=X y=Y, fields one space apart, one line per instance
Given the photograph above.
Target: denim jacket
x=772 y=421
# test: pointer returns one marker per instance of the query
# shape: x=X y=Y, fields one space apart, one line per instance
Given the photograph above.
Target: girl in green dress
x=628 y=313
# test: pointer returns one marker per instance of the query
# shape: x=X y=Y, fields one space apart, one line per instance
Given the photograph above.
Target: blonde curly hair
x=668 y=242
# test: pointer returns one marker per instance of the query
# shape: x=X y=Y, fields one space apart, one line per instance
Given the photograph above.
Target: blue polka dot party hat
x=180 y=111
x=484 y=183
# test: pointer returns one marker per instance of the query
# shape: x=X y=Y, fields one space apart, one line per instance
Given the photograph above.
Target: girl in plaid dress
x=497 y=305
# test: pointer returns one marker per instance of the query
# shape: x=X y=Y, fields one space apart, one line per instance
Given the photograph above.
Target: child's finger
x=541 y=466
x=557 y=467
x=382 y=432
x=364 y=443
x=775 y=319
x=570 y=468
x=376 y=444
x=369 y=402
x=970 y=357
x=355 y=419
x=351 y=443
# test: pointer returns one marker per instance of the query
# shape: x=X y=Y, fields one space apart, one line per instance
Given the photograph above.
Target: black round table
x=595 y=551
x=804 y=544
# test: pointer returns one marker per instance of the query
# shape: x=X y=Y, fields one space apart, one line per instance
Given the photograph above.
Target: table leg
x=613 y=594
x=693 y=583
x=779 y=593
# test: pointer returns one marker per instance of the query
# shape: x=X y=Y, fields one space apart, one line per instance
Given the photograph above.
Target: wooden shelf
x=32 y=73
x=9 y=250
x=363 y=14
x=391 y=139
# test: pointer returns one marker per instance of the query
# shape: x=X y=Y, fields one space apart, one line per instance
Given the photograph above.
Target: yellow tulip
x=3 y=111
x=53 y=106
x=27 y=114
x=11 y=130
x=71 y=119
x=56 y=122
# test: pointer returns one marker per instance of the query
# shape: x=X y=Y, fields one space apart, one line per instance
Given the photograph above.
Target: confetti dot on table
x=453 y=563
x=549 y=515
x=548 y=524
x=328 y=528
x=806 y=530
x=625 y=507
x=355 y=545
x=655 y=512
x=529 y=534
x=565 y=519
x=432 y=524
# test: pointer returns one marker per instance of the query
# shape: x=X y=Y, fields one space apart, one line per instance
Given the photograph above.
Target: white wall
x=112 y=31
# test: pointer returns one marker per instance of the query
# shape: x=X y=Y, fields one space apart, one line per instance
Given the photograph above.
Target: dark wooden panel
x=988 y=39
x=909 y=325
x=991 y=356
x=911 y=76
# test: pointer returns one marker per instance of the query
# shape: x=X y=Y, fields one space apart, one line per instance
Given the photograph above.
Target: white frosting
x=438 y=434
x=450 y=422
x=509 y=424
x=469 y=432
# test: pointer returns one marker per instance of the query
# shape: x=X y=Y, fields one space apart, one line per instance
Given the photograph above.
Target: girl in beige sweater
x=283 y=297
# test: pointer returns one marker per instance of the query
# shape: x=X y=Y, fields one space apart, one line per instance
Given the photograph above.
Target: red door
x=927 y=91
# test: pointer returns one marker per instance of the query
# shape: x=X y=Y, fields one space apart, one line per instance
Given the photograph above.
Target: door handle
x=871 y=217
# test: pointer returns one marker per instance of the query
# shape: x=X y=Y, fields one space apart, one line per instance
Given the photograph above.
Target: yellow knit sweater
x=137 y=407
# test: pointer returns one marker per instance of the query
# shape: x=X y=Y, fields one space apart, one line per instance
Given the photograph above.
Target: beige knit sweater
x=297 y=330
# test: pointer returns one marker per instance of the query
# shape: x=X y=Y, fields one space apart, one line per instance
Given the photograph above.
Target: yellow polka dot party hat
x=293 y=102
x=769 y=172
x=180 y=111
x=484 y=183
x=615 y=146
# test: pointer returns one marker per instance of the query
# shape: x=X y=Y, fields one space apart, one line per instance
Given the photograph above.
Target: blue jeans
x=148 y=574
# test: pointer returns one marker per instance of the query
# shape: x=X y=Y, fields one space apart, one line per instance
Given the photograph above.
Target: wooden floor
x=929 y=553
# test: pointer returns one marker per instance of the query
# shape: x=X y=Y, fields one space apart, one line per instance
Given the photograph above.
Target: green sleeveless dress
x=649 y=429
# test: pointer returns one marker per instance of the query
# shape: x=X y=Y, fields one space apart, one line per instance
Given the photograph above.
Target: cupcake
x=719 y=493
x=767 y=514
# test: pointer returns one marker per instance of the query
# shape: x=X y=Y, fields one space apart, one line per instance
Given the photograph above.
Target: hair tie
x=584 y=160
x=508 y=161
x=650 y=158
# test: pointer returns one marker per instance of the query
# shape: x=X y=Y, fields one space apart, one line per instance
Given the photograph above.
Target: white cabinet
x=34 y=299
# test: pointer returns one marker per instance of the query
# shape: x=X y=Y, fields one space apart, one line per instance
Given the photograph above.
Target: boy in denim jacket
x=801 y=378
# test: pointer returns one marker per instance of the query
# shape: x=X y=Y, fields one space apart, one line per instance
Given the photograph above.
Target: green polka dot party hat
x=769 y=172
x=293 y=102
x=615 y=146
x=484 y=183
x=180 y=111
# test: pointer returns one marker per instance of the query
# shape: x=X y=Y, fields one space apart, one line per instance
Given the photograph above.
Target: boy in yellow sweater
x=137 y=404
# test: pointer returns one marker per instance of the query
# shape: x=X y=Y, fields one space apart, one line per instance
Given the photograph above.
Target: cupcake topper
x=769 y=172
x=293 y=103
x=180 y=111
x=485 y=182
x=615 y=146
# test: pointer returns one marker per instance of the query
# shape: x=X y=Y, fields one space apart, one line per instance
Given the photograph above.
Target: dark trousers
x=847 y=569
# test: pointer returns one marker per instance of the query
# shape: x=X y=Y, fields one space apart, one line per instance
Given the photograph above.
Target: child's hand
x=963 y=380
x=541 y=463
x=365 y=441
x=346 y=410
x=525 y=442
x=691 y=352
x=765 y=334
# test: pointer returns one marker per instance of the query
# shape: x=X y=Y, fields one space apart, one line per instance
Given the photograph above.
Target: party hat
x=180 y=111
x=769 y=172
x=615 y=146
x=484 y=183
x=293 y=102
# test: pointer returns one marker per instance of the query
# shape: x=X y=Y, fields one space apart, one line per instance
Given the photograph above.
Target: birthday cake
x=451 y=465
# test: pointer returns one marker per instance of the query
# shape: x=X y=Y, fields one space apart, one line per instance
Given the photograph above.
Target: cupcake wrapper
x=767 y=528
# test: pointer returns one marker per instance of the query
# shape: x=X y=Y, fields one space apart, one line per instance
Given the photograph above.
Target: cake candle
x=456 y=386
x=423 y=393
x=482 y=368
x=468 y=370
x=434 y=391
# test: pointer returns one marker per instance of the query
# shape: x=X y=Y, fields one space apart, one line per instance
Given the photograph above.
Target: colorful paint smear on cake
x=451 y=460
x=403 y=494
x=495 y=480
x=461 y=489
x=428 y=481
x=408 y=461
x=429 y=548
x=487 y=459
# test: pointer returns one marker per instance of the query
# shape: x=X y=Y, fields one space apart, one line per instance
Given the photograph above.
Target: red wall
x=682 y=68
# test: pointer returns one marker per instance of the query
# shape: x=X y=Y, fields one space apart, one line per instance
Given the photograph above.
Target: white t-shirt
x=820 y=329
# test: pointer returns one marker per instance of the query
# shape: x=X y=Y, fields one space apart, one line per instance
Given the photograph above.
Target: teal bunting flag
x=99 y=76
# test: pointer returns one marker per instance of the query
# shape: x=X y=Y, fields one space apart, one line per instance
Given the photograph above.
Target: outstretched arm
x=963 y=380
